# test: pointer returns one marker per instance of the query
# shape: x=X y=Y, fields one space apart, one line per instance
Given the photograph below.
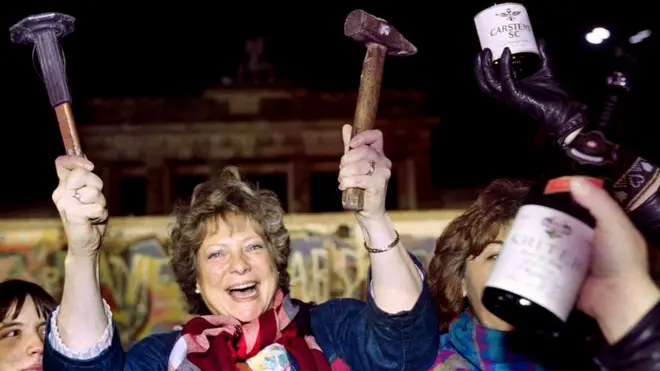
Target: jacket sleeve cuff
x=415 y=330
x=423 y=310
x=638 y=349
x=646 y=218
x=58 y=345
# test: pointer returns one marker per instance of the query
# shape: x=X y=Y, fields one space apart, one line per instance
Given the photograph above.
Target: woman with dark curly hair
x=229 y=255
x=471 y=337
x=24 y=307
x=468 y=247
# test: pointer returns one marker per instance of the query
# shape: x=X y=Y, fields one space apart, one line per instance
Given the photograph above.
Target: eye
x=255 y=247
x=11 y=334
x=493 y=257
x=216 y=254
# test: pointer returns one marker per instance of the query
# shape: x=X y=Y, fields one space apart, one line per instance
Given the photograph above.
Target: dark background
x=155 y=48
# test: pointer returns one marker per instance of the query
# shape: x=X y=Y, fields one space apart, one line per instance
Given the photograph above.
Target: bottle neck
x=595 y=151
x=613 y=111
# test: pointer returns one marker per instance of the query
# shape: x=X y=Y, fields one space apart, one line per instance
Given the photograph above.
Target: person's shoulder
x=343 y=302
x=337 y=306
x=152 y=352
x=157 y=344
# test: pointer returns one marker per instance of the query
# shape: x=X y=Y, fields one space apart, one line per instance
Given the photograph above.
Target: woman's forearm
x=396 y=281
x=81 y=320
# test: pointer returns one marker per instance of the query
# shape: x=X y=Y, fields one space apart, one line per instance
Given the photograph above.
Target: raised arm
x=80 y=329
x=81 y=204
x=397 y=282
x=80 y=335
x=397 y=326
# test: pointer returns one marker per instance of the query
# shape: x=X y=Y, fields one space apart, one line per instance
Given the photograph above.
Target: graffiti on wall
x=327 y=261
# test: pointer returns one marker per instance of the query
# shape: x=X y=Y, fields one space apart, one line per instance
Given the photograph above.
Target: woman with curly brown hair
x=467 y=249
x=230 y=253
x=471 y=337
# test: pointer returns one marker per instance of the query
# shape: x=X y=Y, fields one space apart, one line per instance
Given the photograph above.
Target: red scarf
x=220 y=342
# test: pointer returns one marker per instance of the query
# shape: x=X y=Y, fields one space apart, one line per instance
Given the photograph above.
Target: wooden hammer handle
x=365 y=111
x=68 y=129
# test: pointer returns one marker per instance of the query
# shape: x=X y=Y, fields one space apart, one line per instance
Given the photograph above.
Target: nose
x=35 y=345
x=239 y=264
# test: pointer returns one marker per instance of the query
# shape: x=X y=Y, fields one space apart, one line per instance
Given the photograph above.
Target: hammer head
x=366 y=28
x=23 y=32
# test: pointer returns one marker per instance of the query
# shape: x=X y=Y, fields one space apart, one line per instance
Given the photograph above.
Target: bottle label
x=545 y=258
x=505 y=25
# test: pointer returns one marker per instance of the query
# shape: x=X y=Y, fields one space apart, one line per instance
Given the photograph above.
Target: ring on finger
x=372 y=167
x=76 y=195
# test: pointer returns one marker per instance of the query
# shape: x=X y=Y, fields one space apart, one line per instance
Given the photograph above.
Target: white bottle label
x=545 y=258
x=505 y=25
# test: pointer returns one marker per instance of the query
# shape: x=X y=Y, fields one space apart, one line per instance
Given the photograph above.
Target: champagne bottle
x=507 y=25
x=536 y=280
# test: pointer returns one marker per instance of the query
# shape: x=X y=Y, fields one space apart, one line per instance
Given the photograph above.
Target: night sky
x=121 y=49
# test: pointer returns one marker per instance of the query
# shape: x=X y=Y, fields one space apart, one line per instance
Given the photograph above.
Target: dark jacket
x=363 y=336
x=637 y=350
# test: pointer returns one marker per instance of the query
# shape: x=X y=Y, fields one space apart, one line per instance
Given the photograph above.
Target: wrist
x=378 y=232
x=77 y=262
x=624 y=302
x=574 y=125
x=374 y=221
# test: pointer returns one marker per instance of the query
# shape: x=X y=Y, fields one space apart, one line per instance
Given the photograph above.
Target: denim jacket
x=360 y=334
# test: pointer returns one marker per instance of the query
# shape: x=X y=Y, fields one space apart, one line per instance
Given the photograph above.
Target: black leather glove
x=539 y=96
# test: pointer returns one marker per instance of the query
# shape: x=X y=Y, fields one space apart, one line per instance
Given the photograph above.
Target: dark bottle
x=507 y=25
x=536 y=280
x=594 y=151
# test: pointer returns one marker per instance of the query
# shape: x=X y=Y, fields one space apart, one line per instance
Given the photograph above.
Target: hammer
x=380 y=39
x=43 y=30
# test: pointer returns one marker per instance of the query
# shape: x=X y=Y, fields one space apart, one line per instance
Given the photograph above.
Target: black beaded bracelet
x=389 y=247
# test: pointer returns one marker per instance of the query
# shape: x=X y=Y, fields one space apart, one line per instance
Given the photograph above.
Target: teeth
x=243 y=286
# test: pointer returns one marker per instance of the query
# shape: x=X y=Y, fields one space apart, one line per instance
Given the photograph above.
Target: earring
x=197 y=291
